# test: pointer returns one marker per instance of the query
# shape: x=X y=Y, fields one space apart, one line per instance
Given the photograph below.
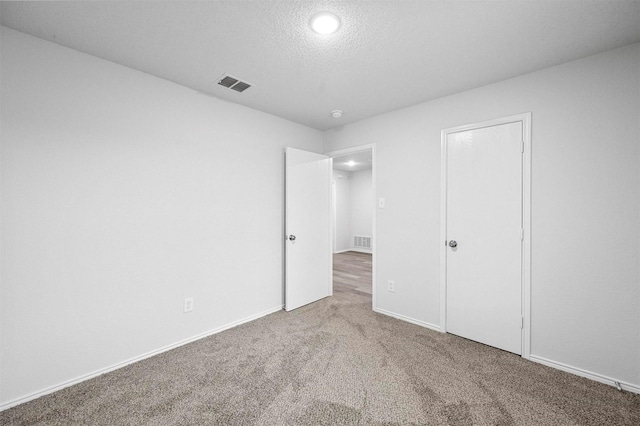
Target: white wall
x=353 y=204
x=361 y=203
x=121 y=196
x=585 y=297
x=342 y=218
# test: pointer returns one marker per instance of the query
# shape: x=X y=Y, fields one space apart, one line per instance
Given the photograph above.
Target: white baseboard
x=587 y=374
x=51 y=389
x=553 y=364
x=407 y=319
x=549 y=363
x=353 y=249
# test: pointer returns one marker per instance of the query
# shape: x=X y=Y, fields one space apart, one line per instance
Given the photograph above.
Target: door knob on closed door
x=292 y=237
x=453 y=244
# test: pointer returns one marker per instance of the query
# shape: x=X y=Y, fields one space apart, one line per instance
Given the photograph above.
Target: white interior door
x=484 y=221
x=308 y=260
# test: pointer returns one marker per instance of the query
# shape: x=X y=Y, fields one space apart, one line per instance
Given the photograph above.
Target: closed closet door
x=484 y=235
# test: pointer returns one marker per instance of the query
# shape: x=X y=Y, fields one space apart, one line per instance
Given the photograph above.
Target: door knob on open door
x=453 y=244
x=292 y=237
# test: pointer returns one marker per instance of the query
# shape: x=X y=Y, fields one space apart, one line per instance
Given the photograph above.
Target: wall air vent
x=233 y=83
x=362 y=242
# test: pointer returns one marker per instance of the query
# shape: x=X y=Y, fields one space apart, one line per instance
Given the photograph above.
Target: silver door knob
x=453 y=244
x=292 y=237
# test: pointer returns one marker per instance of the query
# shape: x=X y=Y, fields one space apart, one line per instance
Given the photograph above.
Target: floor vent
x=233 y=83
x=362 y=242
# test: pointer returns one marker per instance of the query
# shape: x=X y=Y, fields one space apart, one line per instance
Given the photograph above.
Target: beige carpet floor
x=334 y=362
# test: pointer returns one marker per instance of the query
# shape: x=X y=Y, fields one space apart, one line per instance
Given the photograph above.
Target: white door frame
x=525 y=118
x=374 y=241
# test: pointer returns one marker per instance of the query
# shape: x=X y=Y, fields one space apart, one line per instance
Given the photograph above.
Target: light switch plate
x=188 y=304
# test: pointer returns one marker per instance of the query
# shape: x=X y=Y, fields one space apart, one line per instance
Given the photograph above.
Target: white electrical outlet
x=188 y=304
x=392 y=286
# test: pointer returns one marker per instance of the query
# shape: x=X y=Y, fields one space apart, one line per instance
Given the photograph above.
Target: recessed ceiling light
x=351 y=163
x=336 y=113
x=325 y=23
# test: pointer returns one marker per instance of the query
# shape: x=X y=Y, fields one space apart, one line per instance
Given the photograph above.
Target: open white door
x=308 y=261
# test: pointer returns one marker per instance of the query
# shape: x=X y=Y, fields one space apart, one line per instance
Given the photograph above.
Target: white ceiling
x=386 y=55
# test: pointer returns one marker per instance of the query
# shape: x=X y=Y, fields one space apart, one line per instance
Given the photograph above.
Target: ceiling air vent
x=233 y=83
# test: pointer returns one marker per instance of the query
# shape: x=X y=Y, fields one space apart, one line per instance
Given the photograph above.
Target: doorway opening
x=353 y=221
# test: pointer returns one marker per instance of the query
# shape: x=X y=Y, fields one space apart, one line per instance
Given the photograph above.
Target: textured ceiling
x=386 y=55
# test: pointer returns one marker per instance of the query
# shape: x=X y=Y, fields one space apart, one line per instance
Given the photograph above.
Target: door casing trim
x=525 y=118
